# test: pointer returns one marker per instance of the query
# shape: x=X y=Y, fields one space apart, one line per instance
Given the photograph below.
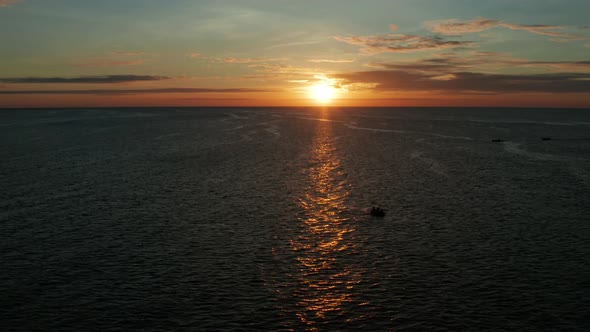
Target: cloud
x=465 y=82
x=480 y=61
x=450 y=62
x=455 y=27
x=295 y=43
x=84 y=79
x=127 y=53
x=251 y=60
x=111 y=63
x=331 y=61
x=6 y=3
x=422 y=66
x=282 y=72
x=195 y=55
x=129 y=91
x=398 y=43
x=577 y=66
x=113 y=59
x=545 y=30
x=287 y=70
x=485 y=53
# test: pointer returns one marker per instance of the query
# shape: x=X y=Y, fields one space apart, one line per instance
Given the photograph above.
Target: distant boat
x=546 y=138
x=377 y=212
x=497 y=140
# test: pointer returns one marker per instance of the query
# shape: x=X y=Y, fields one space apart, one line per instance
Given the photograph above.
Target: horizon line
x=282 y=106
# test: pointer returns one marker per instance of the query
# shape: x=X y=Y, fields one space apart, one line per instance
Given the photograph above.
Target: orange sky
x=270 y=99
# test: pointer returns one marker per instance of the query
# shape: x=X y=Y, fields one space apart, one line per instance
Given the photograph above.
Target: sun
x=323 y=93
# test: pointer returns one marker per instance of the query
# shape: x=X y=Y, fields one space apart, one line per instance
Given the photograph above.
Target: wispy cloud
x=251 y=60
x=195 y=55
x=545 y=30
x=455 y=27
x=84 y=79
x=294 y=43
x=5 y=3
x=128 y=53
x=279 y=72
x=113 y=59
x=575 y=66
x=331 y=60
x=111 y=63
x=129 y=91
x=282 y=70
x=398 y=43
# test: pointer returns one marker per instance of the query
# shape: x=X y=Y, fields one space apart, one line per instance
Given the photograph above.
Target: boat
x=497 y=140
x=545 y=138
x=377 y=212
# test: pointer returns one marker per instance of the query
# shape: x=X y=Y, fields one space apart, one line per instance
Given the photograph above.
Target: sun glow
x=323 y=93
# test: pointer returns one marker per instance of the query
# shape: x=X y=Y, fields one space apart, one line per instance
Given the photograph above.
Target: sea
x=257 y=219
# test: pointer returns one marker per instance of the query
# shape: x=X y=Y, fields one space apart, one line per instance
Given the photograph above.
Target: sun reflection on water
x=325 y=238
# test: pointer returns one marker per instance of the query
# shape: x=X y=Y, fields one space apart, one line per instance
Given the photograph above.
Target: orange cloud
x=455 y=27
x=331 y=61
x=6 y=3
x=251 y=60
x=111 y=63
x=127 y=53
x=399 y=43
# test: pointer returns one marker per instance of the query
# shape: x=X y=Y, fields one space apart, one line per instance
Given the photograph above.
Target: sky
x=86 y=53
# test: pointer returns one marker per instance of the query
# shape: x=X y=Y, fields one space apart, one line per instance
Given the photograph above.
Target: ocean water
x=255 y=219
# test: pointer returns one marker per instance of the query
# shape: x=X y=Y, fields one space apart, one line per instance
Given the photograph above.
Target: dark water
x=255 y=219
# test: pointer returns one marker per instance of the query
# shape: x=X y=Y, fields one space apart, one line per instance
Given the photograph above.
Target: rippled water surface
x=236 y=219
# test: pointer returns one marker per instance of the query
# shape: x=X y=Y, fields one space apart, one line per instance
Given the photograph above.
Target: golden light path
x=325 y=282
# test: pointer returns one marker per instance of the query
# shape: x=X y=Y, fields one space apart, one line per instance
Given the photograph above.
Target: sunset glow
x=322 y=93
x=208 y=53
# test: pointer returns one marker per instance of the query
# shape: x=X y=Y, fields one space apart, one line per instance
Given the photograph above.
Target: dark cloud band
x=400 y=43
x=128 y=91
x=84 y=79
x=398 y=80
